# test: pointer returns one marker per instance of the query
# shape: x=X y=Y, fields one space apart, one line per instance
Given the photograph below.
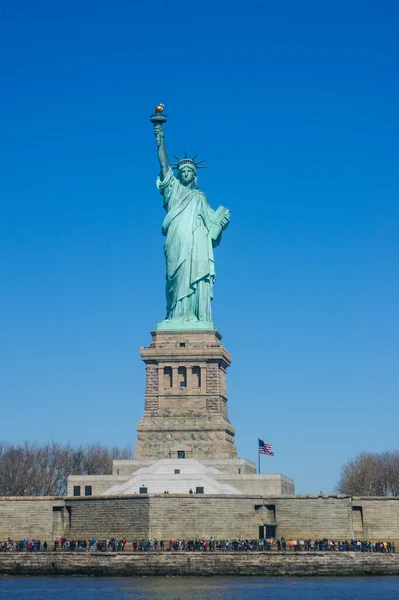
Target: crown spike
x=188 y=161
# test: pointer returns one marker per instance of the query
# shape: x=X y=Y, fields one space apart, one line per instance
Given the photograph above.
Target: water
x=199 y=588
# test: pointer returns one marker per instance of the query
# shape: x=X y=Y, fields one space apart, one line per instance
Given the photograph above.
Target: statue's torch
x=158 y=118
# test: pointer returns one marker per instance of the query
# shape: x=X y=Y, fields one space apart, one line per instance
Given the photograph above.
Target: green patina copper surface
x=192 y=229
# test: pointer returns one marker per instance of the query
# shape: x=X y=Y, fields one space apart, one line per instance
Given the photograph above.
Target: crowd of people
x=198 y=545
x=91 y=545
x=326 y=545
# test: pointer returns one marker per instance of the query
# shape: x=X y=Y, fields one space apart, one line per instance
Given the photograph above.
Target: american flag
x=265 y=448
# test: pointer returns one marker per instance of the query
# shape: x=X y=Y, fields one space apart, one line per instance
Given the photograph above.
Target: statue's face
x=186 y=175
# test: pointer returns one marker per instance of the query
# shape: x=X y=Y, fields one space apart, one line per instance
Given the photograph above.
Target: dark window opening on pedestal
x=181 y=454
x=167 y=377
x=199 y=490
x=88 y=490
x=177 y=471
x=76 y=490
x=143 y=490
x=182 y=344
x=196 y=377
x=182 y=373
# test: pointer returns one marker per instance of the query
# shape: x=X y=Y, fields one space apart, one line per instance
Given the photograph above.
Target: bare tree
x=17 y=469
x=370 y=474
x=393 y=473
x=29 y=469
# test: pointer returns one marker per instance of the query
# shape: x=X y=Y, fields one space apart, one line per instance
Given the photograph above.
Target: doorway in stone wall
x=270 y=531
x=267 y=531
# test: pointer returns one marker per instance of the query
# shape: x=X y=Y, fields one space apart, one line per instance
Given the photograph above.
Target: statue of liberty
x=192 y=231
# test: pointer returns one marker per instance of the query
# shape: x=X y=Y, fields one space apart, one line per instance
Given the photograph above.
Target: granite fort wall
x=202 y=517
x=107 y=517
x=191 y=516
x=42 y=518
x=240 y=517
x=378 y=518
x=315 y=517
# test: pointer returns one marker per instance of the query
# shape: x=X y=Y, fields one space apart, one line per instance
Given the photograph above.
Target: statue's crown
x=196 y=164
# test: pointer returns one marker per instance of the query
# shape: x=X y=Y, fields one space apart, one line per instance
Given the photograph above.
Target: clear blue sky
x=294 y=105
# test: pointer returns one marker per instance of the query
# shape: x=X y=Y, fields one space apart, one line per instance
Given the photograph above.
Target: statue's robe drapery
x=189 y=227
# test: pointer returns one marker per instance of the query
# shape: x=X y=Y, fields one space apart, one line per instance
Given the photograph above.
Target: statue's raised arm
x=162 y=154
x=157 y=119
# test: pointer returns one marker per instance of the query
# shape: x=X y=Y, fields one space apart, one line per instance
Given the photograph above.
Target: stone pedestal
x=185 y=413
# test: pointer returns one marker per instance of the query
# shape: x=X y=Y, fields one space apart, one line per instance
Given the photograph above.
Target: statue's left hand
x=225 y=221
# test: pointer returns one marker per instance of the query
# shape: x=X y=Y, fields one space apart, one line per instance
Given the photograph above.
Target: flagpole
x=258 y=459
